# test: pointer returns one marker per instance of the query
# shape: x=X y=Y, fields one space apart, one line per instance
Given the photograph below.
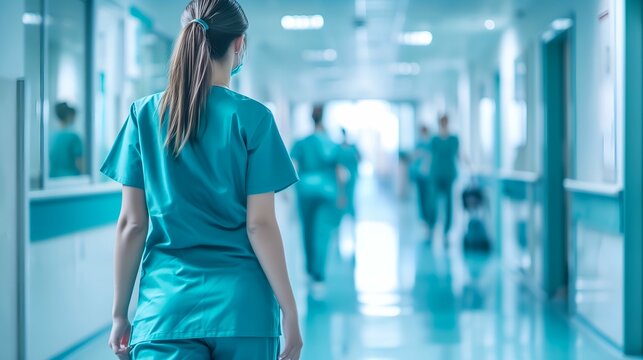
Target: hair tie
x=202 y=23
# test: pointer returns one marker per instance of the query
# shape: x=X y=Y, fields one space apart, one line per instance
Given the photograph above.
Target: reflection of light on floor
x=347 y=238
x=380 y=311
x=376 y=269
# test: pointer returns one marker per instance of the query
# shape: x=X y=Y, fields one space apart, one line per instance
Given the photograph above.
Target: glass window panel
x=110 y=106
x=597 y=148
x=66 y=115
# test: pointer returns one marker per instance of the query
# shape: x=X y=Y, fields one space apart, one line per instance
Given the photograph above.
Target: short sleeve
x=123 y=163
x=270 y=168
x=295 y=152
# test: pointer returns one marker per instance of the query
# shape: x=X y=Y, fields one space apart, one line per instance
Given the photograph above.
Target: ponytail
x=209 y=28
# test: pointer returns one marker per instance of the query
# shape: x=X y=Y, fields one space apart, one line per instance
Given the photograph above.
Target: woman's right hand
x=119 y=338
x=292 y=348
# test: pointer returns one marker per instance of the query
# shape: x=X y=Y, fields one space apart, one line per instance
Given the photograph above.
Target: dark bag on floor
x=476 y=237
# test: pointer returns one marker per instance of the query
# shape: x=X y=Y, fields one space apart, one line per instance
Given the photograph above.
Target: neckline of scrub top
x=224 y=88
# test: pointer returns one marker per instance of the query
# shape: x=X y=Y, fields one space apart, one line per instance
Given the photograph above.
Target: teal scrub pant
x=350 y=195
x=219 y=348
x=440 y=187
x=424 y=199
x=319 y=218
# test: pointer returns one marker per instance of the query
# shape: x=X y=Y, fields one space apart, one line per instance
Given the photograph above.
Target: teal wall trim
x=54 y=217
x=497 y=162
x=596 y=212
x=633 y=182
x=140 y=15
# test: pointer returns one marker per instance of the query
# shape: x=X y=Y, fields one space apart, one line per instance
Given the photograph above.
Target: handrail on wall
x=592 y=188
x=528 y=177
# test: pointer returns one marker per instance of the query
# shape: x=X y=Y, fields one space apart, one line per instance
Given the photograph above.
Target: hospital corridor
x=321 y=179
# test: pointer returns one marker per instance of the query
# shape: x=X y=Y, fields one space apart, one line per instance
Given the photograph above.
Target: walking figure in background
x=420 y=168
x=320 y=195
x=444 y=149
x=349 y=158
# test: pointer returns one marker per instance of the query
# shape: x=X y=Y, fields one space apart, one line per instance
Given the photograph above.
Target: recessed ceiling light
x=327 y=55
x=562 y=24
x=302 y=22
x=490 y=24
x=31 y=19
x=416 y=38
x=405 y=68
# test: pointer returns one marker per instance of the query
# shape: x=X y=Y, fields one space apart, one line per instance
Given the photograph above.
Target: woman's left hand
x=119 y=338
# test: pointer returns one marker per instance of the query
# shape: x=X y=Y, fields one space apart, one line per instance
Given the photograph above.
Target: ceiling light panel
x=325 y=55
x=416 y=38
x=302 y=22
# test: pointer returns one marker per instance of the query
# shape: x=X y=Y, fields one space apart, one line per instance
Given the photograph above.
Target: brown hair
x=219 y=23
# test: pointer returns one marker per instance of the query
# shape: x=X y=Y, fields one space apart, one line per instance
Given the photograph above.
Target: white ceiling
x=364 y=55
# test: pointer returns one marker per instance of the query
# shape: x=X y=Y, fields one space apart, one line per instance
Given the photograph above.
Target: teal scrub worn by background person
x=349 y=158
x=66 y=148
x=200 y=277
x=420 y=169
x=444 y=155
x=317 y=160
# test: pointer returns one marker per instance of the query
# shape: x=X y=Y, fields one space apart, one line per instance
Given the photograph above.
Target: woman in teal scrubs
x=444 y=150
x=318 y=195
x=66 y=153
x=200 y=164
x=349 y=158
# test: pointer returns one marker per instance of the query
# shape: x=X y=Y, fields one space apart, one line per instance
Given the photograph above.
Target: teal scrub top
x=444 y=155
x=349 y=157
x=200 y=276
x=421 y=165
x=317 y=157
x=66 y=147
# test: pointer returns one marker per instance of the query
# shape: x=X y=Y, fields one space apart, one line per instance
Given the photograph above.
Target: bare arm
x=130 y=241
x=265 y=238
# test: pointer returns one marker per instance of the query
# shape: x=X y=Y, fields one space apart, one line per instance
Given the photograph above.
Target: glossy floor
x=392 y=295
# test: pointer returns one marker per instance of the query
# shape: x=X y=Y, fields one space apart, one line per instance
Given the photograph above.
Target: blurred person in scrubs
x=320 y=195
x=420 y=168
x=444 y=148
x=200 y=165
x=66 y=151
x=349 y=157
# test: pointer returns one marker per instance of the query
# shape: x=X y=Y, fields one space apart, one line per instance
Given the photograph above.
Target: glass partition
x=67 y=111
x=93 y=60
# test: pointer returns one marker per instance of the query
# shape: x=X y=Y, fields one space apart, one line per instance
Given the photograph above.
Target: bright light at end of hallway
x=416 y=38
x=302 y=22
x=490 y=24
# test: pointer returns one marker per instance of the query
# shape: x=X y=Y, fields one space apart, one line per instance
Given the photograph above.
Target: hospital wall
x=70 y=270
x=11 y=69
x=596 y=287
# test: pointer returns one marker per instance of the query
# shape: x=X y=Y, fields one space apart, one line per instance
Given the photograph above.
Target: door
x=558 y=115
